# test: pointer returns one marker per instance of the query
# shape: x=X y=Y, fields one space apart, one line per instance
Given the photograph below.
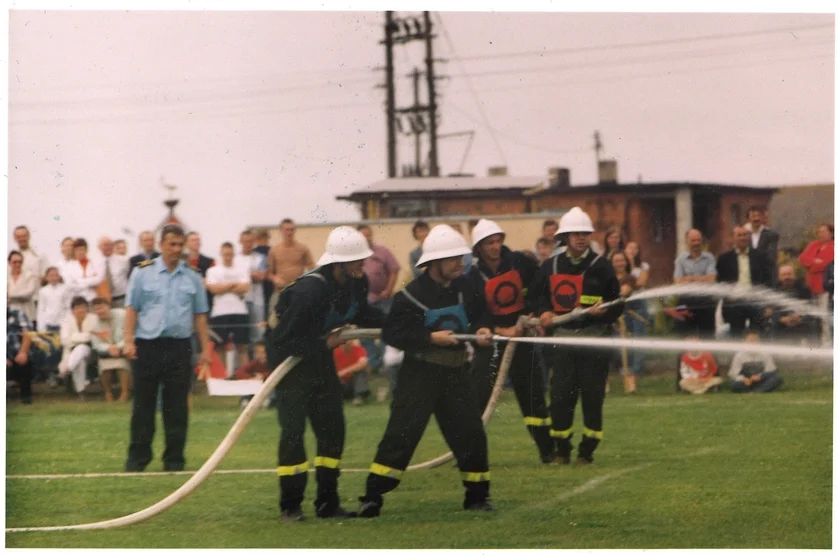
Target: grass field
x=674 y=471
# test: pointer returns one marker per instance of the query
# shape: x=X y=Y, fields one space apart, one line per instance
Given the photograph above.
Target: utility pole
x=399 y=31
x=389 y=30
x=429 y=61
x=418 y=127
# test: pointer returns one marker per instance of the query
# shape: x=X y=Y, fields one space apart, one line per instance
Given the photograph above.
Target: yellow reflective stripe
x=533 y=421
x=475 y=476
x=386 y=471
x=589 y=299
x=592 y=433
x=563 y=434
x=328 y=462
x=292 y=470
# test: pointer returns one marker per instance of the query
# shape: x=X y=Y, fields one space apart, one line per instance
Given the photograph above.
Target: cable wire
x=477 y=102
x=643 y=44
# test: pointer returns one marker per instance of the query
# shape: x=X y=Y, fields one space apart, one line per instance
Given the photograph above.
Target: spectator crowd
x=65 y=318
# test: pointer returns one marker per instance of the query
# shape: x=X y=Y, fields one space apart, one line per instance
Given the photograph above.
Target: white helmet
x=345 y=244
x=575 y=221
x=483 y=229
x=442 y=242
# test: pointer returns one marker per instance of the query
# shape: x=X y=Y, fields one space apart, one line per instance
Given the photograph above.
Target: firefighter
x=576 y=278
x=332 y=295
x=434 y=379
x=502 y=275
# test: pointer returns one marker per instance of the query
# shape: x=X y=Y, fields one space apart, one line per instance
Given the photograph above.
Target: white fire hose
x=279 y=373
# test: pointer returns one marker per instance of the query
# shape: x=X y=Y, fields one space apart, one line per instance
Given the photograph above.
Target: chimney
x=559 y=178
x=608 y=172
x=497 y=171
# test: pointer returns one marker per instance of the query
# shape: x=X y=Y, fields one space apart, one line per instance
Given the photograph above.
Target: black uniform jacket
x=727 y=267
x=304 y=307
x=509 y=260
x=599 y=281
x=405 y=326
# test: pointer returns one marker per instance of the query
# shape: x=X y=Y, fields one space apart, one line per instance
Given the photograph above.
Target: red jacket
x=345 y=360
x=826 y=253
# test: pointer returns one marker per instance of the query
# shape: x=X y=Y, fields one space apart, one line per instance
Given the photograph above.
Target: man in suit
x=763 y=238
x=746 y=267
x=147 y=252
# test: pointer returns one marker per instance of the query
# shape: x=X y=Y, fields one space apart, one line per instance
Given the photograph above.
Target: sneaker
x=480 y=506
x=369 y=509
x=293 y=515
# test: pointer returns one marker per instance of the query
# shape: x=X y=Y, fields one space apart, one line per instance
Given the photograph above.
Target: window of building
x=412 y=208
x=735 y=215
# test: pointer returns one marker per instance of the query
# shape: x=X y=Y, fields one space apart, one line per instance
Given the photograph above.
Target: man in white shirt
x=66 y=259
x=84 y=275
x=32 y=261
x=117 y=268
x=229 y=284
x=257 y=267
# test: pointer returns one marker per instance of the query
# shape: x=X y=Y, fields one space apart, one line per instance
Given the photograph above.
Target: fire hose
x=282 y=370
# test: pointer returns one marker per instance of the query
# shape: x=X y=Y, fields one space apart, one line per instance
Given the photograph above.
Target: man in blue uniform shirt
x=165 y=302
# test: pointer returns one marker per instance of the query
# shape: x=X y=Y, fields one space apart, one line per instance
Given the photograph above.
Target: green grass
x=674 y=471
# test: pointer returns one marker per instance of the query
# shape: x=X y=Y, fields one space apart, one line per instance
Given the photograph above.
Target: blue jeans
x=635 y=314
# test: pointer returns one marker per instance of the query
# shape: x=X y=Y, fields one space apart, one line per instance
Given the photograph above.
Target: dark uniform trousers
x=23 y=376
x=578 y=372
x=427 y=389
x=528 y=383
x=312 y=390
x=166 y=362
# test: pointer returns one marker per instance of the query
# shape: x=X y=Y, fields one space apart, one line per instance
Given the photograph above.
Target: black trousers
x=447 y=393
x=23 y=376
x=166 y=362
x=311 y=390
x=528 y=383
x=578 y=372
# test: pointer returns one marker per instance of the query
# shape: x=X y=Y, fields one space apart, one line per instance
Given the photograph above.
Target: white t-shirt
x=228 y=303
x=254 y=262
x=635 y=272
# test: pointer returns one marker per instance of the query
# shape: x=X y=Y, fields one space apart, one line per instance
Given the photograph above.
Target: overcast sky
x=264 y=115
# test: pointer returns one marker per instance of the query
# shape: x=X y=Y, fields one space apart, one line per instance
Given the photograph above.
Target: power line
x=249 y=94
x=477 y=102
x=646 y=59
x=643 y=44
x=147 y=118
x=516 y=141
x=618 y=78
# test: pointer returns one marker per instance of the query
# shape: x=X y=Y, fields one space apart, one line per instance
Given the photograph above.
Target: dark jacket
x=829 y=282
x=727 y=267
x=509 y=260
x=135 y=260
x=405 y=326
x=304 y=307
x=204 y=264
x=599 y=281
x=800 y=292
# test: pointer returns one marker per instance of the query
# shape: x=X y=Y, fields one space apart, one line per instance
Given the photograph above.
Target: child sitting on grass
x=698 y=371
x=256 y=369
x=753 y=372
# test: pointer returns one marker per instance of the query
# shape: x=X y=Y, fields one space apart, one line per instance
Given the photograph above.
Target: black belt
x=453 y=358
x=119 y=298
x=163 y=340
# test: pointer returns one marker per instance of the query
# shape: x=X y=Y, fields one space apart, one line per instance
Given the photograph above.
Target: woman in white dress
x=76 y=337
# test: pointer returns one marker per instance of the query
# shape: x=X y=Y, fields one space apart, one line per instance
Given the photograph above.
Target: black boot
x=586 y=450
x=370 y=507
x=563 y=449
x=293 y=515
x=332 y=510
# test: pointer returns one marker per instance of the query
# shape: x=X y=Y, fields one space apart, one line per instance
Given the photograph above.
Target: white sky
x=262 y=115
